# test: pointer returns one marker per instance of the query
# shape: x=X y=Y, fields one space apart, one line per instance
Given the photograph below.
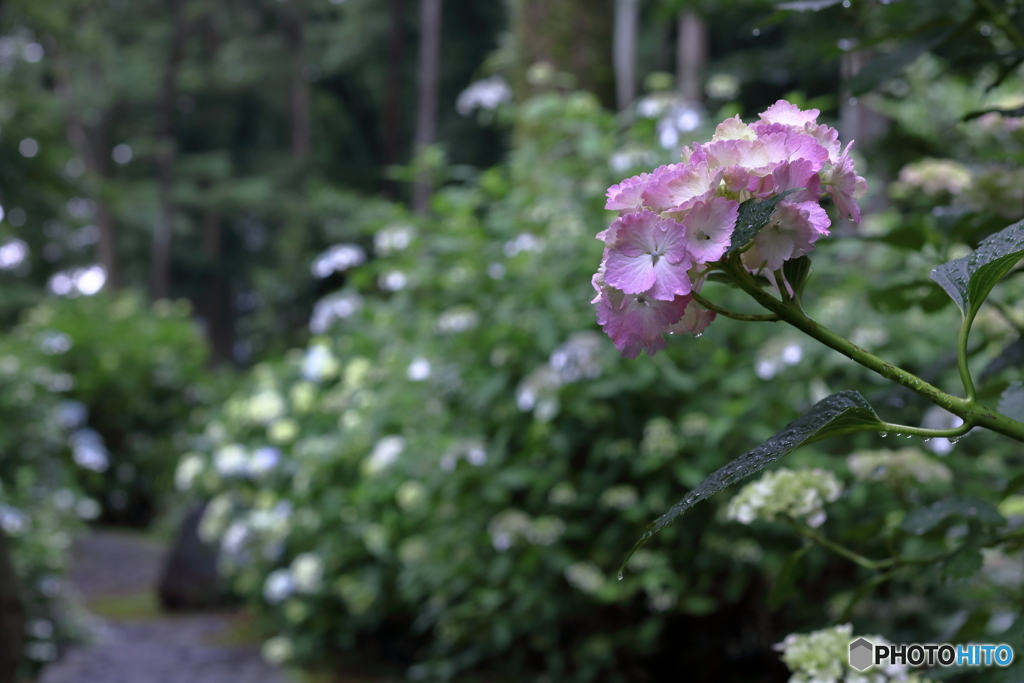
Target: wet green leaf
x=923 y=520
x=969 y=280
x=834 y=415
x=754 y=214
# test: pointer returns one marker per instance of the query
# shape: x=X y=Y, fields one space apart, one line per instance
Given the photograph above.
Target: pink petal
x=695 y=320
x=680 y=185
x=626 y=196
x=789 y=114
x=630 y=274
x=709 y=228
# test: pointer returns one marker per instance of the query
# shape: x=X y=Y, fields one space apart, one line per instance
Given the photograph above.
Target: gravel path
x=164 y=649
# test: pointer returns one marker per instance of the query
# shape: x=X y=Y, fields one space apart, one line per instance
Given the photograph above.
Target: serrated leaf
x=1011 y=402
x=833 y=415
x=890 y=65
x=923 y=520
x=969 y=280
x=807 y=5
x=754 y=214
x=1011 y=356
x=964 y=562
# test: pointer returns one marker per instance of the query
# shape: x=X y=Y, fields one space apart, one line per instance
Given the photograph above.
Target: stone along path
x=117 y=574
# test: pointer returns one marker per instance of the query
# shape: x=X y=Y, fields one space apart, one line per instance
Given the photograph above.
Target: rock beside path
x=183 y=648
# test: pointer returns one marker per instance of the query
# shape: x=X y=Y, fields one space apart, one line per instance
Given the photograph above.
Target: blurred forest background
x=318 y=271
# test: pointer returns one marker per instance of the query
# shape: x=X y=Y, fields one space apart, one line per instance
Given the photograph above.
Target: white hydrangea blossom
x=823 y=657
x=897 y=466
x=511 y=525
x=307 y=572
x=794 y=493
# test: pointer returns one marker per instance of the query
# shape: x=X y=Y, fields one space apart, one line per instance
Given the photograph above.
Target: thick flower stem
x=972 y=412
x=961 y=356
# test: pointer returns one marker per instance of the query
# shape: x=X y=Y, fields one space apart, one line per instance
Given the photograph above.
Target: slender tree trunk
x=574 y=36
x=691 y=56
x=95 y=164
x=161 y=246
x=299 y=99
x=627 y=14
x=426 y=108
x=218 y=329
x=393 y=98
x=12 y=615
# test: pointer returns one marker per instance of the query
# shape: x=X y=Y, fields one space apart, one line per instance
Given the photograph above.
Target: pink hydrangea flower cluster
x=676 y=221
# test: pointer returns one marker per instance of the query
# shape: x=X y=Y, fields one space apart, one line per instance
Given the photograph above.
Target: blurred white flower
x=279 y=585
x=89 y=451
x=458 y=319
x=337 y=259
x=278 y=650
x=12 y=253
x=319 y=363
x=391 y=239
x=308 y=573
x=419 y=370
x=265 y=406
x=524 y=242
x=385 y=453
x=231 y=460
x=485 y=94
x=190 y=467
x=71 y=414
x=338 y=306
x=585 y=577
x=393 y=281
x=264 y=460
x=793 y=493
x=13 y=521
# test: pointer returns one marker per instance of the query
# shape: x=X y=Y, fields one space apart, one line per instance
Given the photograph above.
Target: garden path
x=116 y=575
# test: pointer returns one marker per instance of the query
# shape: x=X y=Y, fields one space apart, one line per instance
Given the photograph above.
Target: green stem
x=841 y=550
x=971 y=412
x=961 y=356
x=748 y=317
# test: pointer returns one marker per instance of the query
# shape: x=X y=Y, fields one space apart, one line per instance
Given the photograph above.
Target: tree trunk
x=574 y=36
x=426 y=107
x=218 y=327
x=299 y=99
x=95 y=164
x=393 y=99
x=161 y=246
x=12 y=616
x=626 y=17
x=691 y=56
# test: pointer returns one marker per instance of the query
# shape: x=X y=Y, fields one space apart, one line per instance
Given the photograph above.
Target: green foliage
x=139 y=372
x=40 y=504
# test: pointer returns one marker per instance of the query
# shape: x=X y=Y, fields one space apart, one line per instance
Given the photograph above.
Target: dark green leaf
x=923 y=520
x=1011 y=402
x=796 y=272
x=969 y=280
x=754 y=214
x=890 y=65
x=1011 y=356
x=964 y=562
x=785 y=584
x=834 y=415
x=1018 y=111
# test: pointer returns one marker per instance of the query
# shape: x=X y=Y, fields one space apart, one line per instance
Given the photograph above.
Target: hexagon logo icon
x=861 y=652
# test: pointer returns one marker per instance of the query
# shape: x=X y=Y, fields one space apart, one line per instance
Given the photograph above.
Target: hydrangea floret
x=797 y=494
x=822 y=657
x=676 y=224
x=897 y=467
